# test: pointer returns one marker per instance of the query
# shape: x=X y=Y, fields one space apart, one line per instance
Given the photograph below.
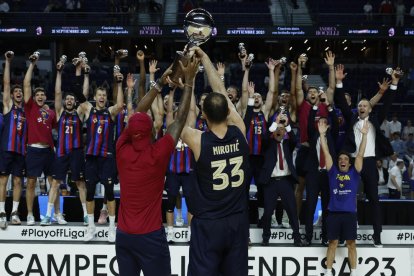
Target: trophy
x=198 y=27
x=398 y=72
x=121 y=53
x=63 y=59
x=82 y=54
x=282 y=111
x=34 y=56
x=249 y=61
x=9 y=54
x=283 y=60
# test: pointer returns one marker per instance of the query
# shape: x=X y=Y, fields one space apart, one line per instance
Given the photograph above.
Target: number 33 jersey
x=223 y=174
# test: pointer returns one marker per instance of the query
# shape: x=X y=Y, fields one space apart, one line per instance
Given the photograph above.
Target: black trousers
x=369 y=176
x=283 y=187
x=316 y=182
x=256 y=164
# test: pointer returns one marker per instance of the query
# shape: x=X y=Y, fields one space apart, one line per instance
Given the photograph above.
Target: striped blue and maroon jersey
x=256 y=132
x=69 y=129
x=100 y=133
x=201 y=124
x=181 y=159
x=121 y=121
x=14 y=136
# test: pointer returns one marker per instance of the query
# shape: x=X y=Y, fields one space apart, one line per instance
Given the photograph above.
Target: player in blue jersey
x=13 y=144
x=220 y=226
x=344 y=179
x=100 y=161
x=69 y=147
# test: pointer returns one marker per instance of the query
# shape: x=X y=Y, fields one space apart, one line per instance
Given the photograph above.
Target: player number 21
x=224 y=177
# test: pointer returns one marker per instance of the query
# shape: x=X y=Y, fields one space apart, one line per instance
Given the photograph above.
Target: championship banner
x=392 y=235
x=94 y=259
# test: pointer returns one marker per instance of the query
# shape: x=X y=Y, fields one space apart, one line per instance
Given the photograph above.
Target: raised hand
x=153 y=66
x=293 y=66
x=339 y=72
x=322 y=127
x=365 y=127
x=221 y=68
x=130 y=82
x=330 y=58
x=271 y=64
x=396 y=74
x=250 y=89
x=323 y=98
x=118 y=77
x=384 y=85
x=191 y=70
x=59 y=66
x=9 y=55
x=140 y=55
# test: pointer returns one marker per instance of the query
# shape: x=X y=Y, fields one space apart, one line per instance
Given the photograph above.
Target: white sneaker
x=170 y=236
x=3 y=221
x=30 y=220
x=90 y=233
x=328 y=273
x=60 y=219
x=111 y=234
x=285 y=220
x=15 y=220
x=179 y=222
x=274 y=222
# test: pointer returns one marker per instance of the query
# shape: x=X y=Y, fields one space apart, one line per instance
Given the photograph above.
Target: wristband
x=393 y=87
x=339 y=85
x=288 y=128
x=222 y=78
x=155 y=85
x=250 y=102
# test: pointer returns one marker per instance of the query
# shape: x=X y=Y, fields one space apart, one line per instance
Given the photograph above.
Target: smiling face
x=70 y=102
x=100 y=98
x=17 y=95
x=313 y=96
x=284 y=99
x=280 y=133
x=232 y=94
x=364 y=108
x=258 y=100
x=40 y=97
x=344 y=163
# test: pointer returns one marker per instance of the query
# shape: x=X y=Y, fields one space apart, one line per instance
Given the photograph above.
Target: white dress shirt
x=370 y=147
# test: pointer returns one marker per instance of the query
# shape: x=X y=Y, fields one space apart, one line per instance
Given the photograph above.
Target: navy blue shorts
x=39 y=160
x=73 y=161
x=148 y=253
x=219 y=246
x=99 y=169
x=341 y=225
x=12 y=163
x=300 y=162
x=174 y=181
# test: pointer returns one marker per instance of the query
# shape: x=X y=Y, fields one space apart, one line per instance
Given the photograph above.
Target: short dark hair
x=16 y=86
x=39 y=89
x=342 y=152
x=100 y=88
x=215 y=107
x=70 y=94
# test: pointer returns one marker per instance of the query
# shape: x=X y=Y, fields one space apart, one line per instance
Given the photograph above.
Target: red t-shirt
x=40 y=123
x=303 y=112
x=141 y=176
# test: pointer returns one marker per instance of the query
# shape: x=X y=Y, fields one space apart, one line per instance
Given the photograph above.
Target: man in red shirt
x=141 y=242
x=40 y=154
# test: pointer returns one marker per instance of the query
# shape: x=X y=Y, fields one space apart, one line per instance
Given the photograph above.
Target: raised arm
x=293 y=100
x=388 y=98
x=299 y=89
x=58 y=90
x=155 y=89
x=119 y=54
x=142 y=75
x=130 y=91
x=330 y=61
x=271 y=64
x=245 y=94
x=383 y=87
x=7 y=101
x=218 y=86
x=190 y=71
x=323 y=128
x=119 y=104
x=359 y=159
x=169 y=118
x=153 y=69
x=27 y=86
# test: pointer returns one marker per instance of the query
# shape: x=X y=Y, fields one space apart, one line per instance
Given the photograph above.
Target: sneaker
x=45 y=221
x=179 y=222
x=30 y=220
x=274 y=222
x=103 y=217
x=170 y=236
x=60 y=219
x=377 y=243
x=3 y=221
x=285 y=220
x=15 y=219
x=90 y=233
x=86 y=220
x=111 y=234
x=328 y=273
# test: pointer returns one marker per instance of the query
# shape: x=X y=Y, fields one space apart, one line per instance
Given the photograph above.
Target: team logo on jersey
x=95 y=120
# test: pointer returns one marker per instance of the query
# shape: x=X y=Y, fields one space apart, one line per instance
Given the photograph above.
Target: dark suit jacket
x=386 y=175
x=312 y=162
x=383 y=147
x=271 y=157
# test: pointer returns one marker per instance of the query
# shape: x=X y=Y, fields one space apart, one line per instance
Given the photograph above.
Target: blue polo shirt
x=343 y=187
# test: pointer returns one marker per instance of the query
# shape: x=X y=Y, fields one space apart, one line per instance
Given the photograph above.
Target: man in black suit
x=278 y=177
x=378 y=146
x=317 y=180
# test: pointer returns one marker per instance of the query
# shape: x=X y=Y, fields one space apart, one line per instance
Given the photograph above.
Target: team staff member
x=69 y=148
x=141 y=243
x=40 y=149
x=343 y=187
x=220 y=225
x=13 y=144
